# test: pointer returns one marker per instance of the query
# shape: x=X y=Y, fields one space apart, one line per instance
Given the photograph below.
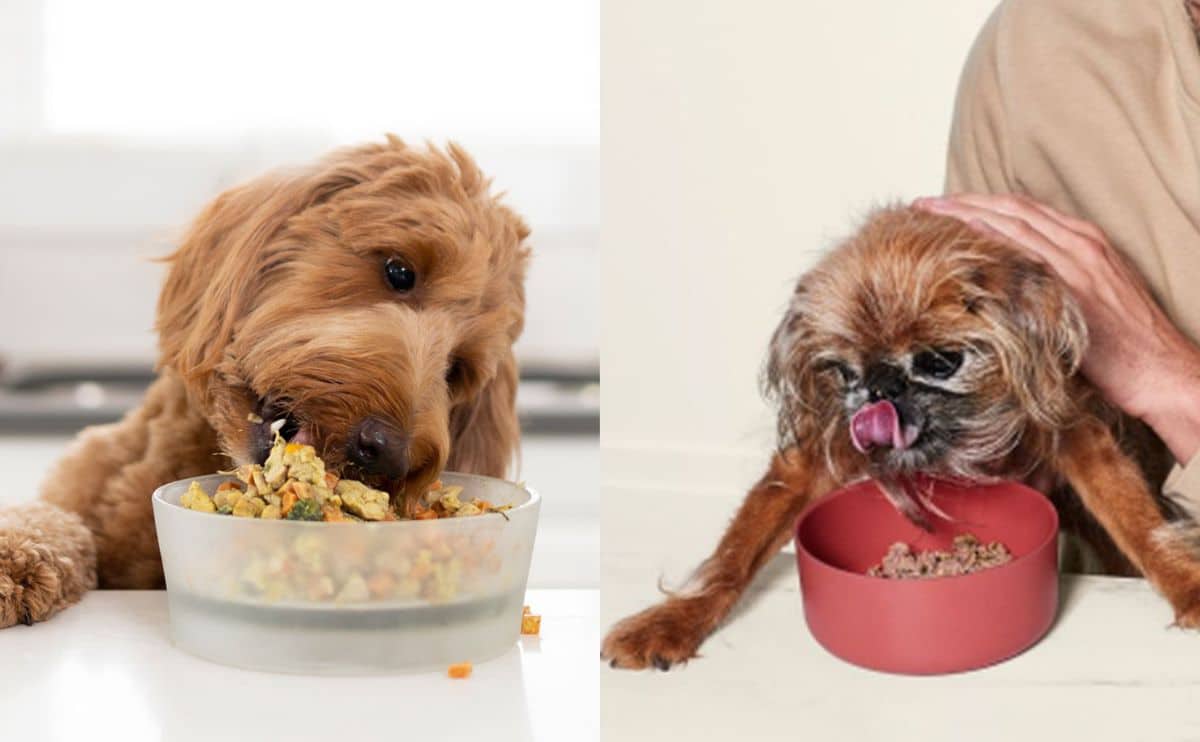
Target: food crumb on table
x=460 y=670
x=531 y=624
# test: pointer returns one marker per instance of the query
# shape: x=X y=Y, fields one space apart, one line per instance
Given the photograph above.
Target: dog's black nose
x=884 y=381
x=378 y=447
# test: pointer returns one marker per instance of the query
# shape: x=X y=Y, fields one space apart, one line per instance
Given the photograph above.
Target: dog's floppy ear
x=223 y=261
x=485 y=430
x=790 y=377
x=1038 y=333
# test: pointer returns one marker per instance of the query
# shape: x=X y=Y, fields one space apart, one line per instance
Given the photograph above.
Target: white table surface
x=1111 y=668
x=106 y=669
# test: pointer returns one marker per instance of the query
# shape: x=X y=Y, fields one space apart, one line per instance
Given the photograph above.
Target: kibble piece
x=274 y=473
x=460 y=670
x=303 y=464
x=197 y=499
x=252 y=474
x=227 y=496
x=358 y=498
x=531 y=624
x=447 y=497
x=469 y=509
x=249 y=507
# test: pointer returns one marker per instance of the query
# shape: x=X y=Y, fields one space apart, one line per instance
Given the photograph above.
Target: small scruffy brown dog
x=922 y=346
x=369 y=301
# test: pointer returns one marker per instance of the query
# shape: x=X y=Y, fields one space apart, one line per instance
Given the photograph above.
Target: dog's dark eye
x=940 y=364
x=454 y=372
x=400 y=276
x=844 y=372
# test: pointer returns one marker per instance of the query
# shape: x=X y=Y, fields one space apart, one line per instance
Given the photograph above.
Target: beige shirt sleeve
x=978 y=158
x=1183 y=486
x=984 y=142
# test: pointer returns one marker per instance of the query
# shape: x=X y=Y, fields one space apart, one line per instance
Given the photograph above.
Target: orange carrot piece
x=332 y=513
x=531 y=625
x=287 y=499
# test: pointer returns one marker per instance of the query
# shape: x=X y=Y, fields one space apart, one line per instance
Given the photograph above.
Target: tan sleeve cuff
x=1183 y=484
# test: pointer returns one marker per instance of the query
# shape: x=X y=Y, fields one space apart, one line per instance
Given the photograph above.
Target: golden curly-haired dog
x=920 y=345
x=370 y=300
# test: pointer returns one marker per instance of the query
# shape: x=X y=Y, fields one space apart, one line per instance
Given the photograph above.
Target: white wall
x=119 y=120
x=739 y=140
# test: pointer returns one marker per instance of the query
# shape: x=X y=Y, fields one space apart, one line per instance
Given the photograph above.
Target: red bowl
x=930 y=626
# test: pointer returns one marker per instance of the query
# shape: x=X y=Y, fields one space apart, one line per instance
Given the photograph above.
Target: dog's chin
x=902 y=462
x=928 y=459
x=925 y=455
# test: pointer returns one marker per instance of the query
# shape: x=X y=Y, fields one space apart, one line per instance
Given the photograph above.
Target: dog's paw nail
x=661 y=662
x=27 y=617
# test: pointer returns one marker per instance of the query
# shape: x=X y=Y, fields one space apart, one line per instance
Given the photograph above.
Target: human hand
x=1136 y=356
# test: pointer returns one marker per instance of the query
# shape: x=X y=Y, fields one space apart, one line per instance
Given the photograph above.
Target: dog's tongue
x=877 y=424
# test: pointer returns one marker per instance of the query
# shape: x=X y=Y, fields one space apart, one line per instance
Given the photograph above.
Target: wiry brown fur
x=908 y=281
x=277 y=297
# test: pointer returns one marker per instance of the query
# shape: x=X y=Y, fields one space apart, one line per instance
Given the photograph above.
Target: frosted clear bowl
x=283 y=596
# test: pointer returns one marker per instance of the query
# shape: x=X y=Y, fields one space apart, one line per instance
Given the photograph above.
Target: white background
x=740 y=140
x=119 y=120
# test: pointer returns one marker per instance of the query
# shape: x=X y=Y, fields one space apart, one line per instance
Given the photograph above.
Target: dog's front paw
x=1187 y=612
x=47 y=562
x=665 y=635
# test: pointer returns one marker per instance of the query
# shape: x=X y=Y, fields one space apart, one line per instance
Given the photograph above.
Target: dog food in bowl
x=387 y=595
x=928 y=626
x=966 y=555
x=294 y=484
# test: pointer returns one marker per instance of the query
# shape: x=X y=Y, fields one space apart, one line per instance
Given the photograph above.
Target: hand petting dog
x=1136 y=357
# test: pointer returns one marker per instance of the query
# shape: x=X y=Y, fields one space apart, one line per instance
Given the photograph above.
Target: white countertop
x=1111 y=668
x=107 y=665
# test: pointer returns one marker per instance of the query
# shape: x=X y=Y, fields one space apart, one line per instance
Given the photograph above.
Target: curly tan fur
x=276 y=304
x=1015 y=408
